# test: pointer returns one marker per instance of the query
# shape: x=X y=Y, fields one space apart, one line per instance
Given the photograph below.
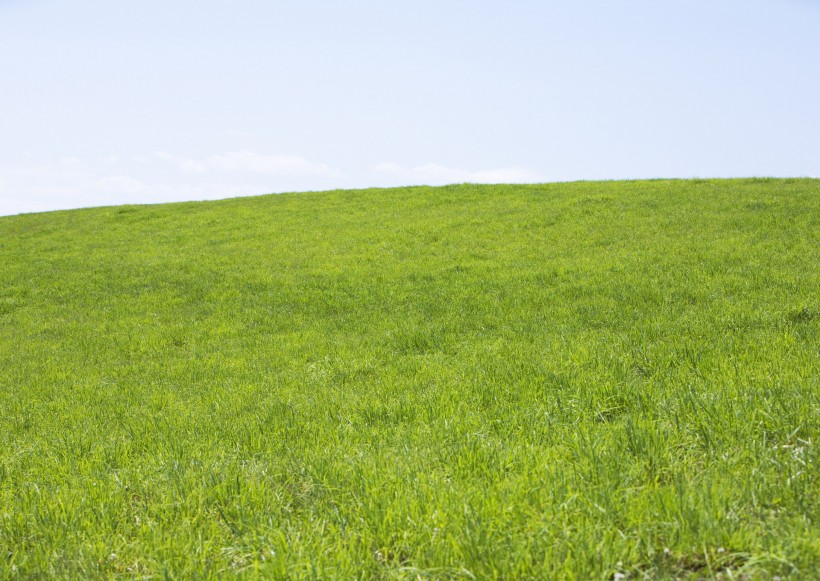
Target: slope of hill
x=556 y=381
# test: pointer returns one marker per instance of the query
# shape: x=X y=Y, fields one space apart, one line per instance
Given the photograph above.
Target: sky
x=105 y=103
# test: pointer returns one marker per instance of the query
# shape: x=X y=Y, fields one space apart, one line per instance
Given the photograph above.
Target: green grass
x=566 y=381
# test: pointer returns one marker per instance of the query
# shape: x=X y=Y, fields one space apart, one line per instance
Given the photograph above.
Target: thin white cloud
x=435 y=174
x=253 y=162
x=161 y=177
x=164 y=177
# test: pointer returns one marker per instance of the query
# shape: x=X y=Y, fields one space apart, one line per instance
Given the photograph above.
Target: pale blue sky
x=146 y=101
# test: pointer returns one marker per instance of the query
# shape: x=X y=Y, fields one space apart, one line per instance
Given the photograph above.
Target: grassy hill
x=566 y=381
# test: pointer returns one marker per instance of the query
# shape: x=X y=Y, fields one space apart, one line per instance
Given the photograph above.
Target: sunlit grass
x=571 y=381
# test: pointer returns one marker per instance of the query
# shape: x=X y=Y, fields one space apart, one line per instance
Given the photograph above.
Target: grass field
x=563 y=381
